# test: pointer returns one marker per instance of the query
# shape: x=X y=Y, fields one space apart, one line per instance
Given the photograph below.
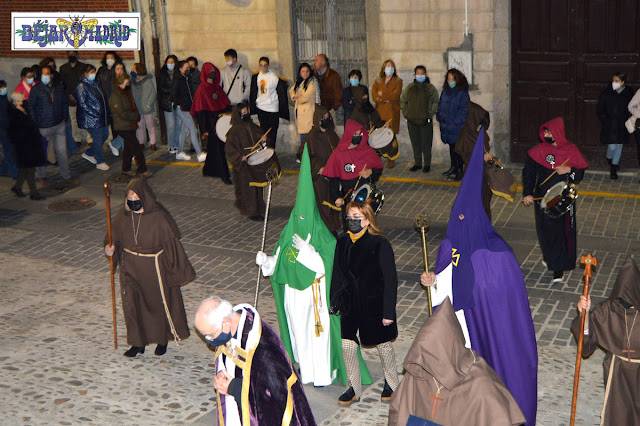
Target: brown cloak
x=607 y=330
x=471 y=392
x=146 y=275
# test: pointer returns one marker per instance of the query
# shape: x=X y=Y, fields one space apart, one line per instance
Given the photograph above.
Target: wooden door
x=563 y=56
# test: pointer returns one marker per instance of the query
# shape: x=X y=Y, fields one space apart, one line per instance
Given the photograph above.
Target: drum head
x=380 y=138
x=222 y=127
x=260 y=157
x=362 y=193
x=553 y=192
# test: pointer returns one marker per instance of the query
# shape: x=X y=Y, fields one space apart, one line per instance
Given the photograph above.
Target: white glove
x=299 y=243
x=261 y=258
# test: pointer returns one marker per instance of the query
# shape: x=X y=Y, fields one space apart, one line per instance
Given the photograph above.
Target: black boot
x=387 y=392
x=614 y=172
x=451 y=170
x=135 y=350
x=457 y=175
x=348 y=397
x=161 y=349
x=610 y=161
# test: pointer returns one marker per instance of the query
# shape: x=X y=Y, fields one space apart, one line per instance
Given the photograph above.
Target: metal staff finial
x=421 y=221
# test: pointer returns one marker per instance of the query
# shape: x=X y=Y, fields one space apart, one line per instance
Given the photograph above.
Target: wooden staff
x=588 y=261
x=107 y=199
x=554 y=172
x=422 y=221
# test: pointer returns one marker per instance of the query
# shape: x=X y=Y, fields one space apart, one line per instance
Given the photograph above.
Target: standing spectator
x=116 y=142
x=386 y=93
x=268 y=99
x=71 y=73
x=419 y=103
x=236 y=80
x=107 y=72
x=330 y=85
x=634 y=109
x=612 y=112
x=92 y=115
x=125 y=121
x=24 y=135
x=57 y=78
x=48 y=61
x=183 y=98
x=354 y=95
x=27 y=81
x=49 y=109
x=8 y=167
x=165 y=102
x=195 y=72
x=306 y=94
x=452 y=114
x=143 y=88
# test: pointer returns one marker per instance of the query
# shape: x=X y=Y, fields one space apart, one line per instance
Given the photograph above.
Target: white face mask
x=615 y=85
x=110 y=62
x=389 y=71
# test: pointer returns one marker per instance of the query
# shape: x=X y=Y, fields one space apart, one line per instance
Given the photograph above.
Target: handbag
x=630 y=124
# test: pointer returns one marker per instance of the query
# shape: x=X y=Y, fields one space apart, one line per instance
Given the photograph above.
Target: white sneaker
x=182 y=156
x=89 y=158
x=202 y=157
x=102 y=166
x=173 y=150
x=544 y=264
x=114 y=150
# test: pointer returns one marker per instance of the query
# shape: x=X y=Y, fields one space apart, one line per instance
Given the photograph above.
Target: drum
x=380 y=137
x=371 y=195
x=222 y=126
x=260 y=163
x=559 y=199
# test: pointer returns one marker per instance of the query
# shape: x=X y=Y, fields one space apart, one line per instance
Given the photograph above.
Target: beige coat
x=388 y=100
x=305 y=105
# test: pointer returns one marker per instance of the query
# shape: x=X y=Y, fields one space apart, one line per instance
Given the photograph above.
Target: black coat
x=71 y=77
x=281 y=90
x=364 y=288
x=25 y=136
x=612 y=112
x=182 y=91
x=165 y=85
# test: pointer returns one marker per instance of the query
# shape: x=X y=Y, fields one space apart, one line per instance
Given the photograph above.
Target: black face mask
x=548 y=140
x=134 y=205
x=326 y=123
x=73 y=59
x=356 y=139
x=246 y=117
x=354 y=225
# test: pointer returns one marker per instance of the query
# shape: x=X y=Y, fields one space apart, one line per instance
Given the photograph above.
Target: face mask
x=452 y=84
x=222 y=339
x=170 y=67
x=354 y=82
x=326 y=123
x=3 y=91
x=110 y=62
x=389 y=71
x=356 y=139
x=73 y=59
x=548 y=139
x=615 y=85
x=45 y=79
x=134 y=205
x=30 y=81
x=421 y=78
x=354 y=225
x=188 y=71
x=92 y=76
x=53 y=67
x=229 y=63
x=134 y=74
x=246 y=117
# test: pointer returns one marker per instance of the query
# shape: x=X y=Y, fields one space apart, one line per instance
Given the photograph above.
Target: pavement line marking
x=408 y=180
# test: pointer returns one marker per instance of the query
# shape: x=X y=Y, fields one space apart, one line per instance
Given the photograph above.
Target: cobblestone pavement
x=57 y=359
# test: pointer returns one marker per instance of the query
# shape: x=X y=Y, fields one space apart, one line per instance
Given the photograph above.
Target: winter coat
x=123 y=110
x=388 y=103
x=452 y=113
x=105 y=78
x=71 y=76
x=144 y=94
x=305 y=105
x=330 y=89
x=164 y=88
x=93 y=108
x=48 y=105
x=281 y=90
x=195 y=78
x=182 y=91
x=4 y=106
x=419 y=102
x=353 y=97
x=612 y=112
x=25 y=136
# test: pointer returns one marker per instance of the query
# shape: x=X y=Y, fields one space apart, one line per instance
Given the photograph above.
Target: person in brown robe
x=153 y=267
x=367 y=115
x=614 y=325
x=448 y=384
x=321 y=141
x=247 y=180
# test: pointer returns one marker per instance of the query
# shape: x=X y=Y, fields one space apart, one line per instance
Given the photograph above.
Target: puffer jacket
x=452 y=113
x=93 y=109
x=165 y=84
x=48 y=104
x=144 y=94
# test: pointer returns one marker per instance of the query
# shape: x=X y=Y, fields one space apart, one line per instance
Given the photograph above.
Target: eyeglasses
x=355 y=217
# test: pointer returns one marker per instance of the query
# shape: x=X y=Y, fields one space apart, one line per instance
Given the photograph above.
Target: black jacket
x=48 y=104
x=281 y=90
x=25 y=136
x=612 y=112
x=182 y=91
x=165 y=85
x=106 y=77
x=71 y=76
x=4 y=105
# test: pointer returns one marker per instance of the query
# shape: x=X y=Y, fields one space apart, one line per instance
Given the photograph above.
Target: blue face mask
x=170 y=67
x=229 y=63
x=92 y=76
x=3 y=91
x=421 y=78
x=452 y=84
x=30 y=81
x=388 y=71
x=354 y=81
x=46 y=79
x=222 y=339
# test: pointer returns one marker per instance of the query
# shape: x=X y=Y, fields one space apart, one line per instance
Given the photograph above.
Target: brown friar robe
x=606 y=328
x=471 y=393
x=153 y=267
x=249 y=194
x=320 y=145
x=366 y=114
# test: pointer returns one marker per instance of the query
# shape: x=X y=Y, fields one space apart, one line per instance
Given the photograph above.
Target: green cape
x=304 y=220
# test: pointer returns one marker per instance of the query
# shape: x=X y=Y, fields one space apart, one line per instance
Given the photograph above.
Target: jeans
x=117 y=142
x=614 y=152
x=78 y=133
x=146 y=123
x=421 y=139
x=71 y=143
x=187 y=125
x=9 y=165
x=173 y=127
x=57 y=135
x=302 y=136
x=99 y=135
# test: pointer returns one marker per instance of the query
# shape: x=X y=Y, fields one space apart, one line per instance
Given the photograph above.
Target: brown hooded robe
x=151 y=270
x=607 y=330
x=471 y=393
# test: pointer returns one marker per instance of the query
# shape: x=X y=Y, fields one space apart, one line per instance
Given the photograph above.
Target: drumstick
x=536 y=199
x=258 y=143
x=554 y=172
